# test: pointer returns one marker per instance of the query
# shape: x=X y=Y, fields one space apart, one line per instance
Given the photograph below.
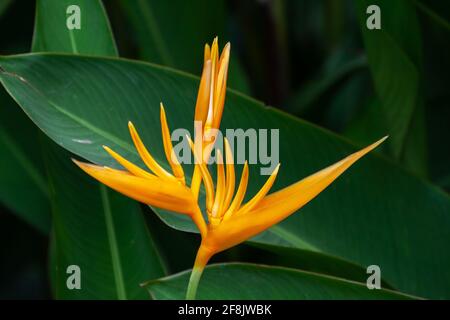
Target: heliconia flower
x=230 y=221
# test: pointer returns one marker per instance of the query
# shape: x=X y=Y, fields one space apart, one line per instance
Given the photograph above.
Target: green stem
x=193 y=283
x=203 y=256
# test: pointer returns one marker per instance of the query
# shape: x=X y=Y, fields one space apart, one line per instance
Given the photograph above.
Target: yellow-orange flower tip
x=151 y=191
x=147 y=158
x=177 y=169
x=76 y=162
x=381 y=140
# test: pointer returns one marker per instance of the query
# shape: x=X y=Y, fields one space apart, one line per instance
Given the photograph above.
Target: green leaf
x=4 y=5
x=394 y=55
x=21 y=167
x=23 y=187
x=311 y=261
x=180 y=45
x=23 y=274
x=438 y=116
x=100 y=231
x=22 y=174
x=309 y=94
x=377 y=213
x=432 y=15
x=256 y=282
x=52 y=34
x=96 y=229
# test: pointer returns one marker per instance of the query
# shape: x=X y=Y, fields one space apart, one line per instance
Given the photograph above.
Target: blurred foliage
x=313 y=59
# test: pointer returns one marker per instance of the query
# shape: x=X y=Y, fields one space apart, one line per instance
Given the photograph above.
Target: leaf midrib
x=113 y=247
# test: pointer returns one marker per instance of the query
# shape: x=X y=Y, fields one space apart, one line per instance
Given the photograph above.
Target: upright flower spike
x=210 y=103
x=230 y=222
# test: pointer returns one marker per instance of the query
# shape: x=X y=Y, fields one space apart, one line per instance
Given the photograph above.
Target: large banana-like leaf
x=249 y=281
x=101 y=232
x=161 y=41
x=394 y=54
x=23 y=187
x=96 y=229
x=4 y=5
x=52 y=32
x=376 y=213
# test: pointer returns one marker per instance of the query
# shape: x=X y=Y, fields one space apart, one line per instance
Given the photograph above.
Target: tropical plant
x=391 y=209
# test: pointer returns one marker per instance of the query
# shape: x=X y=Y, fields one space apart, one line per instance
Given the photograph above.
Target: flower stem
x=203 y=256
x=193 y=283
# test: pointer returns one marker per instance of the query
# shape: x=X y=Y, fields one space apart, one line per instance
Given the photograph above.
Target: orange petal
x=153 y=191
x=207 y=180
x=214 y=72
x=196 y=181
x=168 y=148
x=149 y=161
x=279 y=205
x=207 y=53
x=220 y=187
x=128 y=165
x=203 y=96
x=230 y=175
x=221 y=87
x=261 y=193
x=240 y=194
x=215 y=57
